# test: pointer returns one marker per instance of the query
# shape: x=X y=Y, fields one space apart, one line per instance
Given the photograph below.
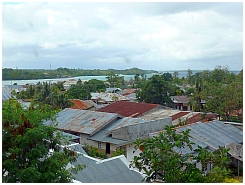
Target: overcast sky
x=160 y=36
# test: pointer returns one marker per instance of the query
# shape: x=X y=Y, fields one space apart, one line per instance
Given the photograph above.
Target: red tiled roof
x=79 y=104
x=178 y=115
x=128 y=109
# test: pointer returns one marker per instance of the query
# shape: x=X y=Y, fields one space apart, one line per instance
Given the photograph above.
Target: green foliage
x=93 y=151
x=78 y=91
x=26 y=146
x=114 y=79
x=162 y=159
x=216 y=175
x=95 y=85
x=27 y=74
x=119 y=151
x=155 y=90
x=47 y=93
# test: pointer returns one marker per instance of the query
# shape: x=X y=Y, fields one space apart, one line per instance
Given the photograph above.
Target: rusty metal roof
x=129 y=109
x=81 y=104
x=83 y=121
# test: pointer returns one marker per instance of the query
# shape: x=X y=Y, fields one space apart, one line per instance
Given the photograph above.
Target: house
x=181 y=102
x=109 y=131
x=209 y=135
x=68 y=83
x=106 y=131
x=112 y=90
x=112 y=170
x=130 y=109
x=6 y=94
x=16 y=88
x=83 y=104
x=130 y=93
x=107 y=98
x=180 y=116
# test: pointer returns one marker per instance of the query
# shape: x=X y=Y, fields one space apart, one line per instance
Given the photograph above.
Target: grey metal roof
x=102 y=135
x=213 y=134
x=112 y=89
x=108 y=97
x=78 y=148
x=6 y=96
x=14 y=86
x=126 y=121
x=113 y=170
x=83 y=121
x=69 y=135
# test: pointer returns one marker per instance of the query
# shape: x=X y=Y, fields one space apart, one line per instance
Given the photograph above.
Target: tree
x=175 y=74
x=155 y=90
x=95 y=85
x=163 y=158
x=31 y=151
x=223 y=99
x=188 y=76
x=167 y=77
x=78 y=91
x=112 y=78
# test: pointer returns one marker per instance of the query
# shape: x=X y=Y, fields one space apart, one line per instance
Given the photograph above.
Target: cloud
x=160 y=36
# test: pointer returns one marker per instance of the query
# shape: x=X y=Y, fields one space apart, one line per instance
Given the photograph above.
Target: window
x=99 y=144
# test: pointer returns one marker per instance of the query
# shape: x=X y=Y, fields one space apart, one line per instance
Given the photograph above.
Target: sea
x=86 y=78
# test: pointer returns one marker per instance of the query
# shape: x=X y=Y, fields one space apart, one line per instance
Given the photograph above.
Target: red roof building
x=129 y=109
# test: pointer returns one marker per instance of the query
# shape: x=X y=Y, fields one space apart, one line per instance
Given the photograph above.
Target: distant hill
x=32 y=74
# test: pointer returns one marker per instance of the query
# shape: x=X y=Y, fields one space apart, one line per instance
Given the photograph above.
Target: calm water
x=126 y=77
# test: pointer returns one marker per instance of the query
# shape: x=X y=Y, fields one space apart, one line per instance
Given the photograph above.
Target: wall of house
x=133 y=132
x=100 y=145
x=130 y=154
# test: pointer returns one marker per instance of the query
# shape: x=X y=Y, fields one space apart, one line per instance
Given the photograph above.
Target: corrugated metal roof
x=180 y=99
x=103 y=135
x=214 y=134
x=178 y=115
x=80 y=104
x=156 y=114
x=112 y=89
x=77 y=147
x=108 y=97
x=6 y=96
x=128 y=109
x=113 y=170
x=83 y=121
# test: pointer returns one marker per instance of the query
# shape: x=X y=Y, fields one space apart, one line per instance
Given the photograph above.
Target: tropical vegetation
x=163 y=158
x=31 y=151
